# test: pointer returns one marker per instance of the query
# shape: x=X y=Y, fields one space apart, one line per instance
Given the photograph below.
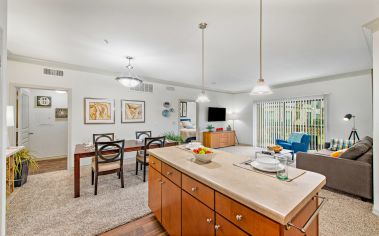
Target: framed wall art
x=99 y=111
x=43 y=101
x=183 y=109
x=132 y=111
x=61 y=113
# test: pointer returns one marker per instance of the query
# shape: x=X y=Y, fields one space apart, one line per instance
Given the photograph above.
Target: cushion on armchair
x=295 y=137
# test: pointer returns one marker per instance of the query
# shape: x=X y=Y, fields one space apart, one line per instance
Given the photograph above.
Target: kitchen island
x=218 y=198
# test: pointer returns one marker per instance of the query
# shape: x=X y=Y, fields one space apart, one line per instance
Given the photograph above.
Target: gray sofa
x=350 y=173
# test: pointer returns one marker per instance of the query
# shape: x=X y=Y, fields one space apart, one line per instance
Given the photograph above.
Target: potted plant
x=22 y=161
x=210 y=128
x=173 y=137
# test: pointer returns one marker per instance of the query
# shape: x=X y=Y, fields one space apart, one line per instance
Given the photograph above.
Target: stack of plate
x=267 y=163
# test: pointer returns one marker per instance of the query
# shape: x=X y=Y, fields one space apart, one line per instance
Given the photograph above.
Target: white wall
x=3 y=103
x=81 y=85
x=50 y=135
x=376 y=121
x=348 y=95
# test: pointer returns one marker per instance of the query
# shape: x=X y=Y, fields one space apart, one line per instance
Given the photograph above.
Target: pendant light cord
x=202 y=60
x=260 y=44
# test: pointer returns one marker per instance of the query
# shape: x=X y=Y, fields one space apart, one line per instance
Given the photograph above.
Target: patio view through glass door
x=278 y=119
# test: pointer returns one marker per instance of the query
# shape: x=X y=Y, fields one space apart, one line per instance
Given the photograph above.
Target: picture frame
x=43 y=101
x=183 y=109
x=132 y=111
x=61 y=113
x=99 y=111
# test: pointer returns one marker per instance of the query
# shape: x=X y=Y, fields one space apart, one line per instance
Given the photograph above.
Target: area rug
x=45 y=204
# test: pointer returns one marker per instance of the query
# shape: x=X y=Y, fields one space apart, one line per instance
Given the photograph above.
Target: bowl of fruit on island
x=203 y=154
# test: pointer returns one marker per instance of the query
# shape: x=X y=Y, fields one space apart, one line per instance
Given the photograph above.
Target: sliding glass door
x=278 y=119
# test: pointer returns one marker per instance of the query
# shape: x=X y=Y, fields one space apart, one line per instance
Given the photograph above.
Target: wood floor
x=147 y=226
x=50 y=166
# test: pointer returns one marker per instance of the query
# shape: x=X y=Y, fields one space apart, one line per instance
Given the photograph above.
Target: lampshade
x=202 y=98
x=129 y=79
x=347 y=117
x=10 y=116
x=261 y=88
x=233 y=116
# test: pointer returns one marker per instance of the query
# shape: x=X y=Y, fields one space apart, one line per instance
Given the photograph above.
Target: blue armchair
x=297 y=142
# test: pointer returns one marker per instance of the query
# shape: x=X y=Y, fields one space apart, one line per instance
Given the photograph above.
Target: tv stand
x=219 y=139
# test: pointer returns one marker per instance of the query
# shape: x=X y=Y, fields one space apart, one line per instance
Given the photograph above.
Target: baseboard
x=375 y=212
x=50 y=158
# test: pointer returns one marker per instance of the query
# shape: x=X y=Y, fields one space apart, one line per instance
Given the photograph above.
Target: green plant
x=173 y=137
x=22 y=156
x=210 y=127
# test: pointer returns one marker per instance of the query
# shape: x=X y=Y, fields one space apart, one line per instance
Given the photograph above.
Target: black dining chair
x=109 y=157
x=141 y=135
x=144 y=160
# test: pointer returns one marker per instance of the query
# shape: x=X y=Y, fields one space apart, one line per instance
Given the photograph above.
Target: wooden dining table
x=81 y=151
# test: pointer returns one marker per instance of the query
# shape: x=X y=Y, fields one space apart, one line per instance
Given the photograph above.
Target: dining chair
x=141 y=135
x=144 y=160
x=109 y=157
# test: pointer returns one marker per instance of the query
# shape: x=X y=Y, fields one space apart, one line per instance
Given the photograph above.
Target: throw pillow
x=356 y=150
x=295 y=137
x=337 y=153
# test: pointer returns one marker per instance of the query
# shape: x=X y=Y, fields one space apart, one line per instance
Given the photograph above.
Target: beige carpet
x=342 y=215
x=45 y=205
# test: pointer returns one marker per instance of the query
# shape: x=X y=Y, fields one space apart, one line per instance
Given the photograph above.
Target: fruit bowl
x=203 y=154
x=275 y=148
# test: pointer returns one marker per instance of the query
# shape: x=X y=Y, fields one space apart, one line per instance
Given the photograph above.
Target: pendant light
x=261 y=88
x=202 y=98
x=129 y=79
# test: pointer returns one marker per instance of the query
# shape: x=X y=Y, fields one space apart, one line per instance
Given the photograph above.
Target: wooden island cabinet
x=186 y=205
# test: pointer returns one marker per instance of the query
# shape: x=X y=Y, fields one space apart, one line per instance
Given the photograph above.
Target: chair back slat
x=103 y=137
x=146 y=134
x=112 y=151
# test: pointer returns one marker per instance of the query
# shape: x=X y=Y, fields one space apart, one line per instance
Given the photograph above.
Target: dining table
x=84 y=151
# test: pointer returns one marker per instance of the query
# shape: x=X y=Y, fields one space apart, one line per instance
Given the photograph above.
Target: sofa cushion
x=357 y=150
x=367 y=157
x=295 y=137
x=367 y=139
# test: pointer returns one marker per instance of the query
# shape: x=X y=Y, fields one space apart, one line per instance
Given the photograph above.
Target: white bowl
x=204 y=157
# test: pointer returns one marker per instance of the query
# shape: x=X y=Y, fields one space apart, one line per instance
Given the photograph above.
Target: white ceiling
x=302 y=38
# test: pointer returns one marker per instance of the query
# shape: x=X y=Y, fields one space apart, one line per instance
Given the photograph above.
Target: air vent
x=170 y=88
x=143 y=87
x=52 y=72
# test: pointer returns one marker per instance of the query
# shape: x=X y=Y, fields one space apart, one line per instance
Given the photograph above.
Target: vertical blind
x=278 y=119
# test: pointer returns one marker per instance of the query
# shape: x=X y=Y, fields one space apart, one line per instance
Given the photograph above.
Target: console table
x=219 y=139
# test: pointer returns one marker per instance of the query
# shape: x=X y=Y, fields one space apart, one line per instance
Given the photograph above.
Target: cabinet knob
x=194 y=189
x=209 y=220
x=161 y=182
x=238 y=217
x=217 y=227
x=152 y=162
x=169 y=173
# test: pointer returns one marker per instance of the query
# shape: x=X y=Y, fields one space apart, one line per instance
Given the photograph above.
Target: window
x=278 y=119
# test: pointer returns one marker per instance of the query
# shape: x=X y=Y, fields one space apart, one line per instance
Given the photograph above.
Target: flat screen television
x=216 y=114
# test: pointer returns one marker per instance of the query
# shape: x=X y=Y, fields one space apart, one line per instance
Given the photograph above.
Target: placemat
x=293 y=173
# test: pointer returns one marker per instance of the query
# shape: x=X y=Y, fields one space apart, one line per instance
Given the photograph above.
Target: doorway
x=42 y=126
x=188 y=123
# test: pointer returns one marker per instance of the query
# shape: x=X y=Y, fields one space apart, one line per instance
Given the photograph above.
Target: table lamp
x=233 y=116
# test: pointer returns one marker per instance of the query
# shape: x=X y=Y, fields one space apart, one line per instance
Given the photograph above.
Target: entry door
x=23 y=118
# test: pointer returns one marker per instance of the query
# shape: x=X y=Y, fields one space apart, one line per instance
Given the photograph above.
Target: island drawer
x=155 y=163
x=245 y=218
x=198 y=190
x=172 y=174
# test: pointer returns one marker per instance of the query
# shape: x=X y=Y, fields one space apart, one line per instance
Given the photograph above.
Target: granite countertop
x=278 y=200
x=12 y=150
